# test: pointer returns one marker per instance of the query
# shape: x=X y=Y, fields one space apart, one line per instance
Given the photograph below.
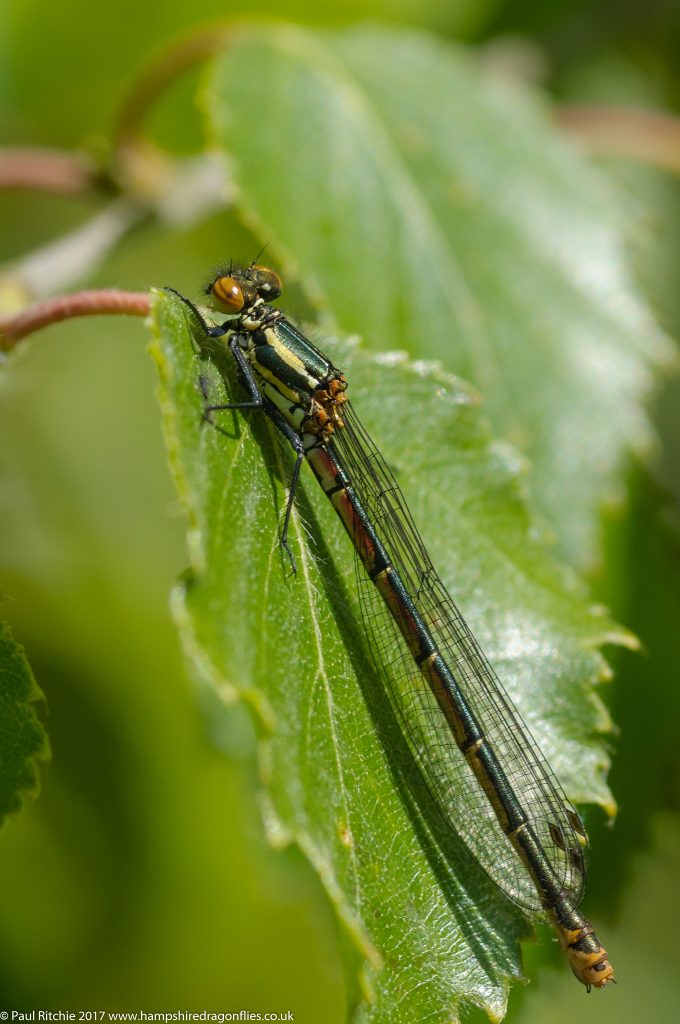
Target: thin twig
x=159 y=74
x=63 y=307
x=645 y=135
x=46 y=170
x=74 y=257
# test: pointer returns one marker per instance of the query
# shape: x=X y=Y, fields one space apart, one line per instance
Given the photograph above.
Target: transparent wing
x=451 y=781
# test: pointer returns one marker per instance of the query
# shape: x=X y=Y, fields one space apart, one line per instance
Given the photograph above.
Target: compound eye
x=267 y=282
x=227 y=295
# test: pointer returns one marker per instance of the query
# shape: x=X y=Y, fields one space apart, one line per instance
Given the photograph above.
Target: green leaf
x=23 y=740
x=338 y=779
x=432 y=209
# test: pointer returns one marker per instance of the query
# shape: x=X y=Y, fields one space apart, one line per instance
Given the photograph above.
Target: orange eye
x=227 y=294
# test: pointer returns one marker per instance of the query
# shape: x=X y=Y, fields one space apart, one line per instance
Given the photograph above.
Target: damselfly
x=481 y=765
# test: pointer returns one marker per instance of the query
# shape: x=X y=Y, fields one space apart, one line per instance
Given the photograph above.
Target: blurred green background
x=140 y=879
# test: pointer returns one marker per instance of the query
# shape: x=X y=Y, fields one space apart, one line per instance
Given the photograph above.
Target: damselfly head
x=236 y=289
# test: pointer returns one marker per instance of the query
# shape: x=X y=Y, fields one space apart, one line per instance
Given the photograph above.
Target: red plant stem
x=46 y=170
x=63 y=307
x=645 y=135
